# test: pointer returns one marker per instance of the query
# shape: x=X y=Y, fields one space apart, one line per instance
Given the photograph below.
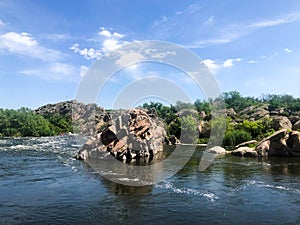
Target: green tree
x=189 y=129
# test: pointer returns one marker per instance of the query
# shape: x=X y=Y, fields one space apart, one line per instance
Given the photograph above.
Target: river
x=41 y=183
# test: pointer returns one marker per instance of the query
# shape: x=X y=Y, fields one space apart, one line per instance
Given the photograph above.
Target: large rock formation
x=274 y=145
x=255 y=112
x=281 y=143
x=85 y=117
x=129 y=134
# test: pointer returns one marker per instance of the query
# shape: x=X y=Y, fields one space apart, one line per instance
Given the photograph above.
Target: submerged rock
x=129 y=134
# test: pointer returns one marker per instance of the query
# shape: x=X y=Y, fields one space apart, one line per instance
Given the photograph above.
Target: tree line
x=23 y=122
x=180 y=119
x=186 y=116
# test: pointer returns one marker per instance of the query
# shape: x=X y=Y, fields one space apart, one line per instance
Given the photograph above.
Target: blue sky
x=47 y=45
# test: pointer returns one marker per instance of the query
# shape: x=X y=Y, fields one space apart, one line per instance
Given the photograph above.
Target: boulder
x=281 y=122
x=204 y=129
x=129 y=134
x=296 y=126
x=293 y=141
x=255 y=112
x=216 y=150
x=294 y=119
x=245 y=151
x=274 y=145
x=173 y=140
x=231 y=113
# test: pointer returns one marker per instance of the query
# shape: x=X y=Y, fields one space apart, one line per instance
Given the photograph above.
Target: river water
x=41 y=183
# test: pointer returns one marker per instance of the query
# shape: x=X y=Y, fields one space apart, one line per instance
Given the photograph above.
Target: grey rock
x=274 y=145
x=281 y=122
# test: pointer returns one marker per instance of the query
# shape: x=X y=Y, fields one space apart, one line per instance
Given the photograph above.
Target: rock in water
x=217 y=150
x=129 y=134
x=274 y=145
x=294 y=143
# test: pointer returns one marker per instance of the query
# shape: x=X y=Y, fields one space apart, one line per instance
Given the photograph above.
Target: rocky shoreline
x=138 y=133
x=282 y=143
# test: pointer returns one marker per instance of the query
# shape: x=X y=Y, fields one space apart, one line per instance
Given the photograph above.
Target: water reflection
x=120 y=189
x=282 y=165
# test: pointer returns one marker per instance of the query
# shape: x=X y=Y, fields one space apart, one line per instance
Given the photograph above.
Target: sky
x=46 y=46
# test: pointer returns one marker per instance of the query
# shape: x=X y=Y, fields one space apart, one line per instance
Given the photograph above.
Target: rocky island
x=263 y=127
x=129 y=134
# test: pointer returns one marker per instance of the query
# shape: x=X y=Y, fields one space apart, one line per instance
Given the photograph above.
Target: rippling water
x=41 y=183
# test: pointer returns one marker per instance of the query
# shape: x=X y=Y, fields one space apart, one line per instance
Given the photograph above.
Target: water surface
x=41 y=183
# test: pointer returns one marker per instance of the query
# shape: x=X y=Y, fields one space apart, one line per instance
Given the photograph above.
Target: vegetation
x=23 y=122
x=237 y=131
x=181 y=119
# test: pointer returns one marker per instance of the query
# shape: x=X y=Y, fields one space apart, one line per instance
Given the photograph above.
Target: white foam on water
x=265 y=185
x=19 y=147
x=189 y=191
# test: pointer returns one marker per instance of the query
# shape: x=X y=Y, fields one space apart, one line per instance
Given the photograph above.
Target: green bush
x=235 y=137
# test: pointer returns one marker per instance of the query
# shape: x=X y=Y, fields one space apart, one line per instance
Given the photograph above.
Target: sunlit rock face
x=129 y=134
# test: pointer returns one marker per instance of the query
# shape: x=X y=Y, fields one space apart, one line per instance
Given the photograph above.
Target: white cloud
x=275 y=22
x=288 y=50
x=107 y=34
x=252 y=61
x=210 y=21
x=24 y=44
x=190 y=9
x=110 y=45
x=90 y=53
x=211 y=65
x=128 y=57
x=83 y=70
x=233 y=32
x=215 y=67
x=229 y=62
x=109 y=42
